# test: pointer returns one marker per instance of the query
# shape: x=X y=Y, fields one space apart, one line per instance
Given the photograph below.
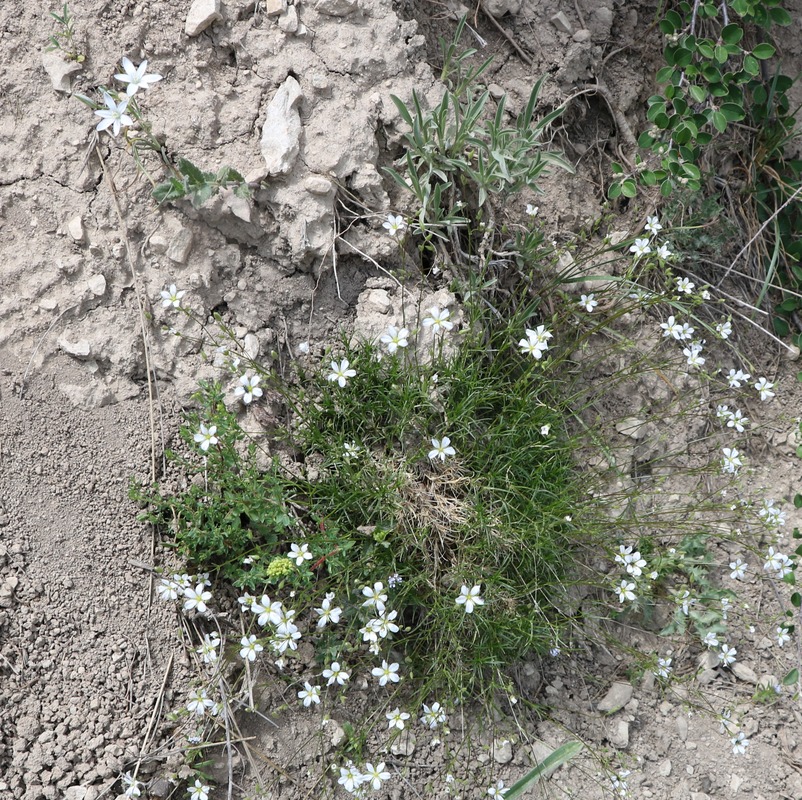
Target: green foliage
x=712 y=79
x=461 y=153
x=64 y=38
x=564 y=753
x=198 y=186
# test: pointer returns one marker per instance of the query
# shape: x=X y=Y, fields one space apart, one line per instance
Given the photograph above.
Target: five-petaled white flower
x=350 y=778
x=196 y=598
x=249 y=388
x=727 y=655
x=395 y=338
x=724 y=330
x=663 y=667
x=350 y=450
x=328 y=612
x=640 y=248
x=131 y=786
x=441 y=449
x=309 y=694
x=172 y=296
x=168 y=590
x=652 y=225
x=671 y=328
x=375 y=776
x=735 y=377
x=206 y=436
x=779 y=562
x=438 y=319
x=588 y=302
x=336 y=674
x=200 y=791
x=694 y=355
x=113 y=116
x=136 y=77
x=498 y=790
x=739 y=743
x=250 y=648
x=685 y=286
x=434 y=716
x=299 y=554
x=536 y=342
x=394 y=224
x=532 y=210
x=386 y=672
x=375 y=597
x=625 y=590
x=782 y=636
x=764 y=387
x=738 y=568
x=663 y=252
x=731 y=460
x=208 y=650
x=341 y=372
x=470 y=597
x=199 y=701
x=710 y=640
x=396 y=718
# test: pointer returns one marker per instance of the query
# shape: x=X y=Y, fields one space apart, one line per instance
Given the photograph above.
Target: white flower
x=250 y=648
x=684 y=285
x=735 y=378
x=113 y=116
x=327 y=612
x=438 y=320
x=206 y=436
x=375 y=596
x=635 y=564
x=299 y=554
x=532 y=210
x=738 y=421
x=663 y=667
x=588 y=302
x=498 y=790
x=470 y=598
x=536 y=342
x=764 y=387
x=136 y=79
x=309 y=694
x=686 y=601
x=724 y=330
x=335 y=674
x=199 y=791
x=545 y=429
x=693 y=354
x=395 y=338
x=772 y=516
x=727 y=654
x=172 y=296
x=196 y=598
x=375 y=776
x=727 y=725
x=671 y=328
x=625 y=590
x=131 y=786
x=199 y=702
x=386 y=672
x=731 y=460
x=350 y=778
x=394 y=224
x=739 y=743
x=396 y=718
x=303 y=348
x=434 y=716
x=351 y=450
x=384 y=625
x=640 y=248
x=208 y=650
x=782 y=636
x=738 y=568
x=779 y=562
x=167 y=589
x=249 y=388
x=270 y=612
x=652 y=225
x=441 y=449
x=341 y=372
x=710 y=640
x=685 y=331
x=663 y=252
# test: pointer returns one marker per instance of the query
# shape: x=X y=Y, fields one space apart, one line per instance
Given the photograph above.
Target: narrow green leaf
x=556 y=759
x=791 y=677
